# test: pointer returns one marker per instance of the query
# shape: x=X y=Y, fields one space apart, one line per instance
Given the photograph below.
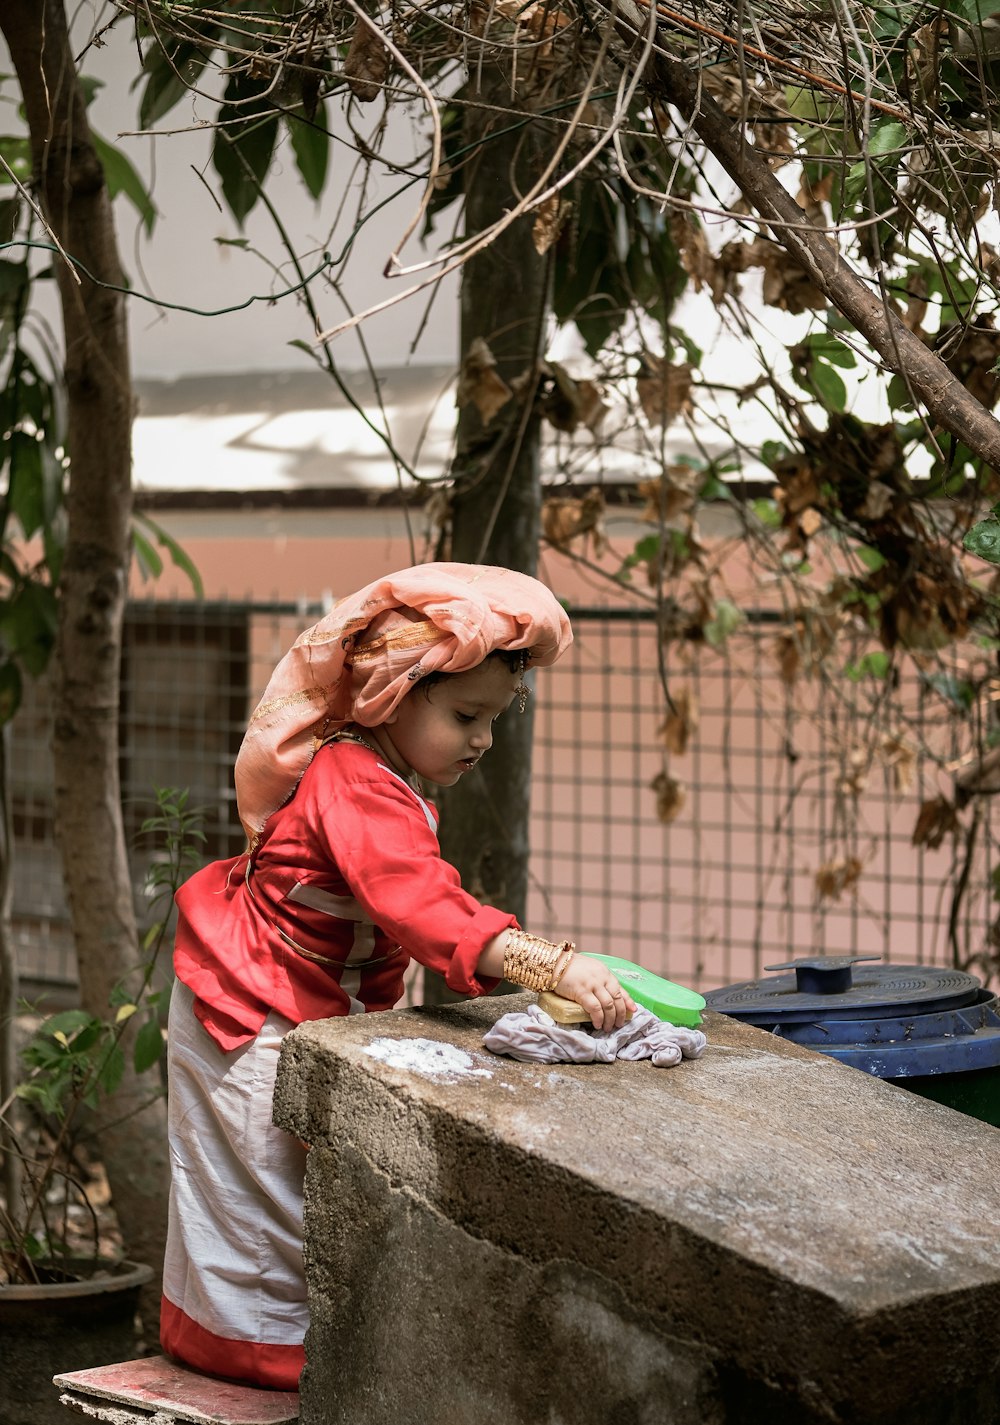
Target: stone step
x=156 y=1391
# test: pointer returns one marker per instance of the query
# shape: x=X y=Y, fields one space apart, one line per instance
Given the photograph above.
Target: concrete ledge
x=761 y=1233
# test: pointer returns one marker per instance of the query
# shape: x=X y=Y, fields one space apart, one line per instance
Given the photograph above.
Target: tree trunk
x=93 y=587
x=496 y=504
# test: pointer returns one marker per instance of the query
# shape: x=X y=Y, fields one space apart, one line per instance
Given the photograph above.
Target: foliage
x=859 y=509
x=73 y=1062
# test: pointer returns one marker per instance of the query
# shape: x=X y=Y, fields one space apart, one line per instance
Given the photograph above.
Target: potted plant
x=67 y=1297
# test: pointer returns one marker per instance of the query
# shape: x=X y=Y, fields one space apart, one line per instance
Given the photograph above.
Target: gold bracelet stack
x=535 y=963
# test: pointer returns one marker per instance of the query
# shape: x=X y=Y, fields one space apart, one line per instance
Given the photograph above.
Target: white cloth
x=533 y=1036
x=234 y=1247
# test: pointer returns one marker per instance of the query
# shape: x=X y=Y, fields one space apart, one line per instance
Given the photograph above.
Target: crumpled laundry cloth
x=533 y=1036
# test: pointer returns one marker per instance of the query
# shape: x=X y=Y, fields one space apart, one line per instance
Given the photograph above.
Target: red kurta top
x=346 y=885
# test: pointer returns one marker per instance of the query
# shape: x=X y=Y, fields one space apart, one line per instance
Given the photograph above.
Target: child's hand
x=596 y=990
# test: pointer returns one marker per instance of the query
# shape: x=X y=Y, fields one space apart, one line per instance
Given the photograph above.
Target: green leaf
x=26 y=493
x=727 y=619
x=171 y=70
x=14 y=277
x=828 y=348
x=148 y=1049
x=713 y=488
x=773 y=451
x=29 y=624
x=178 y=555
x=767 y=512
x=870 y=558
x=112 y=1069
x=121 y=177
x=898 y=394
x=149 y=562
x=957 y=691
x=16 y=152
x=89 y=85
x=975 y=11
x=887 y=137
x=10 y=211
x=984 y=539
x=829 y=386
x=449 y=187
x=68 y=1021
x=855 y=184
x=311 y=146
x=244 y=143
x=872 y=665
x=590 y=287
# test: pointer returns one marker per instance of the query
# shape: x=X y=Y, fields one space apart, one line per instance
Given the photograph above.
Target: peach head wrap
x=364 y=656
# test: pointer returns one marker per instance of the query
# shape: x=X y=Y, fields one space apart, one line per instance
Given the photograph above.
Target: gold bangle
x=529 y=960
x=567 y=951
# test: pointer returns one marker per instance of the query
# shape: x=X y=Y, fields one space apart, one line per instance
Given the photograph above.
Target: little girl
x=342 y=884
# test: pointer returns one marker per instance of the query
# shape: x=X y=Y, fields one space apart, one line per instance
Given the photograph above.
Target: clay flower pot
x=65 y=1325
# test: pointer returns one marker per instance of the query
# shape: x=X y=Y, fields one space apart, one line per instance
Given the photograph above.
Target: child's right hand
x=589 y=984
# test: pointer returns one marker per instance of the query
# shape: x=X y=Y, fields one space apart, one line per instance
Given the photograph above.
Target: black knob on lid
x=823 y=974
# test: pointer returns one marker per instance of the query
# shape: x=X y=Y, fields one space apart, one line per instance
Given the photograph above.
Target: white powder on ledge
x=425 y=1056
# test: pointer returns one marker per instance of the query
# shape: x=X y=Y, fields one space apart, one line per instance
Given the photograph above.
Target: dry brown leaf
x=670 y=494
x=539 y=23
x=478 y=17
x=799 y=489
x=568 y=402
x=877 y=502
x=681 y=722
x=366 y=67
x=835 y=877
x=593 y=408
x=665 y=392
x=810 y=522
x=813 y=193
x=789 y=658
x=980 y=776
x=568 y=518
x=670 y=796
x=543 y=25
x=935 y=820
x=853 y=777
x=923 y=66
x=785 y=284
x=480 y=383
x=695 y=253
x=550 y=219
x=732 y=261
x=902 y=759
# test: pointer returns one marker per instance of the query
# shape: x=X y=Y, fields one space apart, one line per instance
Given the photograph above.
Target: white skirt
x=233 y=1282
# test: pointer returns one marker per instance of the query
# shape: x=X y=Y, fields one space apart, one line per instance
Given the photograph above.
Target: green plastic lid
x=672 y=1003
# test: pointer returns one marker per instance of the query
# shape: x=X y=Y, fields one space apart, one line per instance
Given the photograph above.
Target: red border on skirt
x=253 y=1362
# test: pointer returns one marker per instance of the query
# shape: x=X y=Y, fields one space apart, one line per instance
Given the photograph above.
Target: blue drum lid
x=892 y=1021
x=844 y=987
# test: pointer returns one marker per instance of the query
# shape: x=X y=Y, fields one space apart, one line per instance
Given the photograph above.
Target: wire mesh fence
x=785 y=826
x=744 y=822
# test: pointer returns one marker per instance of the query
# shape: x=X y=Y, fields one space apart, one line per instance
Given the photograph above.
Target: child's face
x=443 y=731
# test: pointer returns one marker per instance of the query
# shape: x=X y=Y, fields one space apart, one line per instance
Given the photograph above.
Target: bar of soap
x=565 y=1011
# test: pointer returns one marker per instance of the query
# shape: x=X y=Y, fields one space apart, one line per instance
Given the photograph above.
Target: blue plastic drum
x=934 y=1031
